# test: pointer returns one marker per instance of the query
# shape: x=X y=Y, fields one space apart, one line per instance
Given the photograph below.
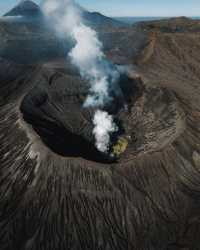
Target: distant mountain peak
x=25 y=8
x=28 y=8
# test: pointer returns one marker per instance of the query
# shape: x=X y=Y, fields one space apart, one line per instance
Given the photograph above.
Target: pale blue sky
x=131 y=7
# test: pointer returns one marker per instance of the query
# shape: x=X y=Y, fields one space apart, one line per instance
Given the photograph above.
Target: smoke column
x=103 y=123
x=88 y=57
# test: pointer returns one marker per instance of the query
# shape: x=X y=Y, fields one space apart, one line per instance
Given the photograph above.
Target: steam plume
x=88 y=57
x=63 y=15
x=103 y=123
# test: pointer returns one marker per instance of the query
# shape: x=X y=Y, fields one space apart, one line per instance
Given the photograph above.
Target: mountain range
x=30 y=9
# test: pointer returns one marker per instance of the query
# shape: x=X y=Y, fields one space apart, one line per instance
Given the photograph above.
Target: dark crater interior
x=54 y=108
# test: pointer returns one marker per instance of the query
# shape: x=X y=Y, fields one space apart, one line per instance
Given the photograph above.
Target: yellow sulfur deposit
x=120 y=146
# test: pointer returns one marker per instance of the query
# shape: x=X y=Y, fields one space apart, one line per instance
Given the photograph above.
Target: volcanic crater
x=57 y=191
x=55 y=110
x=148 y=118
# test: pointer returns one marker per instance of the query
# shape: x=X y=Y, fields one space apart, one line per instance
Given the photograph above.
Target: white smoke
x=104 y=125
x=63 y=15
x=87 y=55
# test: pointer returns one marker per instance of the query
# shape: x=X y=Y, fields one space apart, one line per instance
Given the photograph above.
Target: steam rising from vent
x=88 y=57
x=103 y=123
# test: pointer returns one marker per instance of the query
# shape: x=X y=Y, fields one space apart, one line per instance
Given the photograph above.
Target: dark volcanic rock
x=26 y=8
x=123 y=46
x=99 y=21
x=28 y=42
x=54 y=109
x=180 y=24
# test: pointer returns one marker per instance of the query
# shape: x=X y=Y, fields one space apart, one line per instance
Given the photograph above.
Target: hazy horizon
x=128 y=8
